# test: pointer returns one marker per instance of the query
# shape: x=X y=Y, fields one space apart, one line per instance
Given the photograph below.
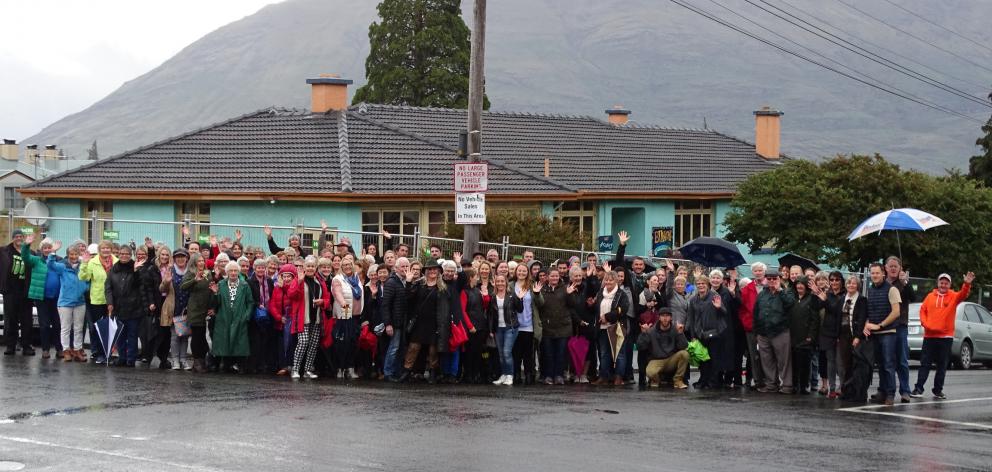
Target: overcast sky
x=60 y=56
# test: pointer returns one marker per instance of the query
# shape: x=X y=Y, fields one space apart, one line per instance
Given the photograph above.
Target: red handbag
x=458 y=336
x=367 y=340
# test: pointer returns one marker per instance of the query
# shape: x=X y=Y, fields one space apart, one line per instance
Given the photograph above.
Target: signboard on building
x=605 y=243
x=111 y=235
x=27 y=230
x=662 y=238
x=471 y=177
x=470 y=208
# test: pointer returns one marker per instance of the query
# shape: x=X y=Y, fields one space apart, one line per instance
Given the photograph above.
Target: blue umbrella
x=712 y=252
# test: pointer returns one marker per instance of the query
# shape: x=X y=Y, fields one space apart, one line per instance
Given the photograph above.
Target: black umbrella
x=712 y=252
x=796 y=260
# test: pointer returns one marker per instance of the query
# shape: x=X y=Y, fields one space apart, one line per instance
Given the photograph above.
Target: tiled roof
x=379 y=149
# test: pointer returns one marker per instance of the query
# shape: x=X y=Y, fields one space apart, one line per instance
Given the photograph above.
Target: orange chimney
x=767 y=133
x=328 y=92
x=617 y=115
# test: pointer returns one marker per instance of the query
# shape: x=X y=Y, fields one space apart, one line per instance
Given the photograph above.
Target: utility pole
x=476 y=79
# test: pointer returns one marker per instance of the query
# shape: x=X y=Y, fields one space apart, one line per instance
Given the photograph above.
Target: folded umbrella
x=616 y=336
x=108 y=331
x=578 y=348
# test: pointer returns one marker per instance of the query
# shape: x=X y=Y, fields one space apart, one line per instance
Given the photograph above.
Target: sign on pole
x=471 y=177
x=470 y=208
x=111 y=235
x=661 y=240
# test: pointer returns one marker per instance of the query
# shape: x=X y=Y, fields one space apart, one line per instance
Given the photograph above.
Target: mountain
x=670 y=66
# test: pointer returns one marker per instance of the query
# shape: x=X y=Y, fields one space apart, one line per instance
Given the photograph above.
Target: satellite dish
x=36 y=212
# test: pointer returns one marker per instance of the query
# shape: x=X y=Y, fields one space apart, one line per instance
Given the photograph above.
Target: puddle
x=11 y=465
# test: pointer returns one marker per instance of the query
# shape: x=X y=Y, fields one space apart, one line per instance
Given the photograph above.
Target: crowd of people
x=342 y=312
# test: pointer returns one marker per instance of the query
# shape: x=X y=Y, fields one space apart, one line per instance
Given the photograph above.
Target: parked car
x=972 y=335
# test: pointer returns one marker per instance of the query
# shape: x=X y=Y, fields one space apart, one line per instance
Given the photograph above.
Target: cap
x=180 y=253
x=287 y=269
x=342 y=244
x=17 y=232
x=664 y=310
x=772 y=273
x=93 y=249
x=945 y=276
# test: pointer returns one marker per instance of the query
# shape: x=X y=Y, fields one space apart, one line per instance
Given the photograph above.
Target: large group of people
x=362 y=313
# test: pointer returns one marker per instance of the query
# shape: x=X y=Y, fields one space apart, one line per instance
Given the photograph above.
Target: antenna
x=36 y=212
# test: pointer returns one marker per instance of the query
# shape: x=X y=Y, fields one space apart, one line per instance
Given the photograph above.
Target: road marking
x=870 y=410
x=121 y=455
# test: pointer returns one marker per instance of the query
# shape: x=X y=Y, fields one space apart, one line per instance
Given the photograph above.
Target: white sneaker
x=295 y=375
x=582 y=380
x=175 y=363
x=186 y=365
x=509 y=380
x=351 y=375
x=310 y=375
x=500 y=380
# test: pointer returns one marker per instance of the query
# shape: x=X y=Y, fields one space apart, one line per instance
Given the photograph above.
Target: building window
x=104 y=211
x=199 y=217
x=693 y=219
x=437 y=221
x=405 y=222
x=311 y=238
x=12 y=200
x=581 y=214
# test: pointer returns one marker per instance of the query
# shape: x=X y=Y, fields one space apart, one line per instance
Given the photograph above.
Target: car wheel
x=964 y=359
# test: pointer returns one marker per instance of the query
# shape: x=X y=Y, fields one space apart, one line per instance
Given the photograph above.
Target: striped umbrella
x=899 y=219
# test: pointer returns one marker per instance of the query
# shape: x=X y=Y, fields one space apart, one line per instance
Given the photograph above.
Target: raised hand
x=185 y=231
x=213 y=240
x=29 y=239
x=669 y=265
x=386 y=235
x=214 y=287
x=606 y=266
x=571 y=288
x=323 y=225
x=624 y=237
x=237 y=234
x=718 y=302
x=538 y=286
x=56 y=245
x=149 y=242
x=645 y=327
x=267 y=230
x=457 y=257
x=969 y=277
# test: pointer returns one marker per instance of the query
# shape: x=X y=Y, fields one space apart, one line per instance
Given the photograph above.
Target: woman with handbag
x=347 y=290
x=612 y=306
x=708 y=322
x=261 y=324
x=282 y=308
x=199 y=283
x=475 y=307
x=173 y=314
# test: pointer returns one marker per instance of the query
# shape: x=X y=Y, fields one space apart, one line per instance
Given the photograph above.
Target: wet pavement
x=88 y=417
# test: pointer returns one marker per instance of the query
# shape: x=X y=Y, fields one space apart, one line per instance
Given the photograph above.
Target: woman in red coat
x=281 y=309
x=310 y=298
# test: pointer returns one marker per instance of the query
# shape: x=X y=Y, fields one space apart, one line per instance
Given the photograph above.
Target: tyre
x=964 y=358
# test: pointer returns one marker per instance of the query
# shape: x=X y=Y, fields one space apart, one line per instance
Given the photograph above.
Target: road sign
x=470 y=208
x=471 y=177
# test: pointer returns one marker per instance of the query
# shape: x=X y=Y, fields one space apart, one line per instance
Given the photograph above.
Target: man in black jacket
x=665 y=347
x=394 y=310
x=14 y=278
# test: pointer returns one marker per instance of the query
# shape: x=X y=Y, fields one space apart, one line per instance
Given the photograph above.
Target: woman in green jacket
x=43 y=291
x=198 y=282
x=235 y=303
x=95 y=272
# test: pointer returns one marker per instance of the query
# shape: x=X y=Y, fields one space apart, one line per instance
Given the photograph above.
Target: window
x=199 y=216
x=693 y=218
x=311 y=239
x=580 y=214
x=12 y=200
x=984 y=314
x=437 y=220
x=104 y=211
x=971 y=315
x=405 y=222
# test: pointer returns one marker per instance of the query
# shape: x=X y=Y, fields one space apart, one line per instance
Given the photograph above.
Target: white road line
x=870 y=410
x=120 y=455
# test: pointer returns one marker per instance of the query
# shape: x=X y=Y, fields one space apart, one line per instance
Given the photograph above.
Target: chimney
x=50 y=153
x=9 y=150
x=30 y=153
x=617 y=115
x=767 y=133
x=328 y=92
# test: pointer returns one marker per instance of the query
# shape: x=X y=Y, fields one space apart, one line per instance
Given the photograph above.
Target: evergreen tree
x=93 y=154
x=980 y=166
x=419 y=55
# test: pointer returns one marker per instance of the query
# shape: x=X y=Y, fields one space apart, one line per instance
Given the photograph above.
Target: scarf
x=311 y=291
x=356 y=286
x=263 y=291
x=107 y=263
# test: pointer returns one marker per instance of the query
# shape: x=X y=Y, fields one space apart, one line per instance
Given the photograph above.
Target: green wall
x=65 y=231
x=343 y=216
x=637 y=223
x=146 y=210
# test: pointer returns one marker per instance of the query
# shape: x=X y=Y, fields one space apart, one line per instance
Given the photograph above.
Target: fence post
x=506 y=247
x=416 y=243
x=10 y=224
x=94 y=227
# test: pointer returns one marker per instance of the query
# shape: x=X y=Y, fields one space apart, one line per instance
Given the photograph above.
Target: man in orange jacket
x=937 y=314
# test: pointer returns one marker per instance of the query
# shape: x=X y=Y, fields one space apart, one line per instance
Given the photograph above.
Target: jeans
x=902 y=358
x=71 y=320
x=505 y=339
x=180 y=347
x=450 y=362
x=127 y=340
x=938 y=351
x=606 y=364
x=49 y=324
x=553 y=355
x=389 y=364
x=886 y=346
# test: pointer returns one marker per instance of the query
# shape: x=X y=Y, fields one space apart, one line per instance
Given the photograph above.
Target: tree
x=419 y=55
x=810 y=208
x=93 y=153
x=980 y=166
x=527 y=229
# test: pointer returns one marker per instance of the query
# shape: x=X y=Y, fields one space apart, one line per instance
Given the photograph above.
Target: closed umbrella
x=904 y=219
x=578 y=348
x=712 y=252
x=616 y=336
x=108 y=330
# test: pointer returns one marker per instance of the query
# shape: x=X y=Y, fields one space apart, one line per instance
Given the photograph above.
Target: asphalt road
x=90 y=418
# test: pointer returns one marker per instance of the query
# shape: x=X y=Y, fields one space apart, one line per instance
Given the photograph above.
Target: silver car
x=972 y=335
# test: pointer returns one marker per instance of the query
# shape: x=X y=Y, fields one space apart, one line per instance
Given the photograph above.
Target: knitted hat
x=287 y=269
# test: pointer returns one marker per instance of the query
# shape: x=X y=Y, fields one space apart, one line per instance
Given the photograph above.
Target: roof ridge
x=366 y=106
x=344 y=155
x=441 y=145
x=270 y=109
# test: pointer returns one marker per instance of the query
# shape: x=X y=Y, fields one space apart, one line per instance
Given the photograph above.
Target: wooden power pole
x=476 y=80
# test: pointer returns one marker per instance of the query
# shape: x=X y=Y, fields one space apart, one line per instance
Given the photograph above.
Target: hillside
x=670 y=66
